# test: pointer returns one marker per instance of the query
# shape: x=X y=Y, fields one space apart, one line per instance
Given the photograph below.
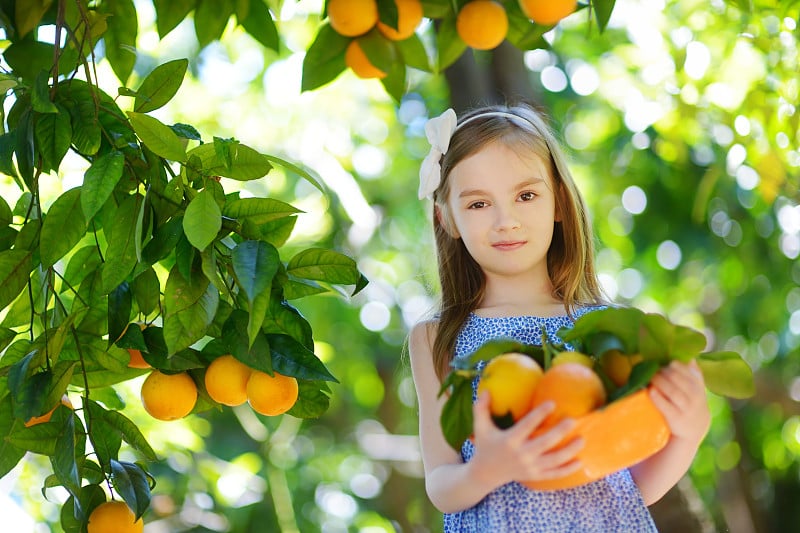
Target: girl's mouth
x=508 y=245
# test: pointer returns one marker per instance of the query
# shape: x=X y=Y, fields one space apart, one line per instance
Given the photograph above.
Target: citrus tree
x=148 y=266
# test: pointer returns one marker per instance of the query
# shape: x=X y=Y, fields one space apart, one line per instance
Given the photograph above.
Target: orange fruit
x=271 y=395
x=510 y=379
x=114 y=517
x=226 y=380
x=575 y=389
x=357 y=60
x=618 y=365
x=352 y=17
x=547 y=12
x=572 y=357
x=136 y=359
x=34 y=420
x=482 y=24
x=616 y=436
x=168 y=396
x=409 y=15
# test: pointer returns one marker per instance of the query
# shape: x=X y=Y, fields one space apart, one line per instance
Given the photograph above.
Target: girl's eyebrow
x=481 y=192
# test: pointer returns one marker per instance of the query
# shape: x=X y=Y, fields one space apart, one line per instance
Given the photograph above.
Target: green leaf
x=120 y=37
x=28 y=57
x=64 y=463
x=15 y=269
x=283 y=318
x=164 y=240
x=160 y=85
x=40 y=95
x=254 y=265
x=414 y=54
x=10 y=455
x=27 y=15
x=727 y=374
x=158 y=137
x=295 y=169
x=275 y=232
x=449 y=44
x=294 y=289
x=25 y=148
x=245 y=163
x=324 y=59
x=622 y=322
x=313 y=399
x=99 y=182
x=291 y=358
x=170 y=13
x=63 y=227
x=210 y=19
x=130 y=433
x=258 y=210
x=106 y=440
x=259 y=24
x=146 y=291
x=130 y=482
x=79 y=99
x=82 y=263
x=8 y=142
x=456 y=417
x=202 y=220
x=190 y=305
x=602 y=10
x=121 y=250
x=120 y=302
x=53 y=134
x=661 y=340
x=76 y=510
x=235 y=338
x=324 y=265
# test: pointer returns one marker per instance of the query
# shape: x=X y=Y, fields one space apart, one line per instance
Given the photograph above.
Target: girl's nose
x=507 y=219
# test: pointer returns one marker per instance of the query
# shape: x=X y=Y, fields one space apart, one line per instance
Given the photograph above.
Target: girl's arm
x=500 y=456
x=679 y=392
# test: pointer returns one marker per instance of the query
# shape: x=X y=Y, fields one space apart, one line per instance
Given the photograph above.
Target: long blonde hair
x=570 y=259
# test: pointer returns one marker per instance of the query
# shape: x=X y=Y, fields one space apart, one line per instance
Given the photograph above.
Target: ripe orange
x=510 y=379
x=618 y=365
x=357 y=60
x=482 y=24
x=575 y=389
x=572 y=357
x=34 y=420
x=226 y=380
x=168 y=396
x=271 y=395
x=114 y=517
x=352 y=17
x=547 y=12
x=409 y=15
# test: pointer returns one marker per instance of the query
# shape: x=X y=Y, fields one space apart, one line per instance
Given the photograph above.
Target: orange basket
x=616 y=436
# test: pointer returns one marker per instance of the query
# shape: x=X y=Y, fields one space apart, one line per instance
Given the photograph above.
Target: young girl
x=515 y=257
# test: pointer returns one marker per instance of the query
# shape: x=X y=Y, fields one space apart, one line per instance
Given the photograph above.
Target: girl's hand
x=679 y=392
x=504 y=455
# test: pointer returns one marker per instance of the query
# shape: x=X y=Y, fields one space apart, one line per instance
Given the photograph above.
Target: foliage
x=150 y=235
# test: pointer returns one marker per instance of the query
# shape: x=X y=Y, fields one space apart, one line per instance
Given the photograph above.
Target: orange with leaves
x=352 y=17
x=482 y=24
x=510 y=380
x=357 y=60
x=35 y=420
x=575 y=389
x=409 y=15
x=271 y=395
x=168 y=396
x=114 y=517
x=547 y=12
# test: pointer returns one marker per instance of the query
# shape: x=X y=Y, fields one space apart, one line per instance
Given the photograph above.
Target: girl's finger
x=533 y=419
x=547 y=440
x=481 y=415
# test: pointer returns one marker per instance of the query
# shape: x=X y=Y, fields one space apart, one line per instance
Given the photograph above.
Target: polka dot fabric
x=610 y=505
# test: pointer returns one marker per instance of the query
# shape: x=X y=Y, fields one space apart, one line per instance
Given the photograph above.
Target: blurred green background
x=681 y=125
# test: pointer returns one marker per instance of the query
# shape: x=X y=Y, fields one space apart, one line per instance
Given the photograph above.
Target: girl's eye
x=527 y=196
x=477 y=205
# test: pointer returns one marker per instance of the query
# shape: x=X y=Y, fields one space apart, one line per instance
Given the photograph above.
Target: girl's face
x=502 y=206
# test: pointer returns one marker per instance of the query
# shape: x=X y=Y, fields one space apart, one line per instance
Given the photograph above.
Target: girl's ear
x=445 y=221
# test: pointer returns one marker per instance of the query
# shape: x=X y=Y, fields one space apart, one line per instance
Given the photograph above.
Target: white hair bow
x=439 y=130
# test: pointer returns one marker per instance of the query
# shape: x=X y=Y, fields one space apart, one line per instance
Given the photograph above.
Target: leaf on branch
x=99 y=182
x=190 y=306
x=15 y=269
x=291 y=358
x=324 y=59
x=202 y=220
x=158 y=137
x=131 y=483
x=160 y=85
x=259 y=24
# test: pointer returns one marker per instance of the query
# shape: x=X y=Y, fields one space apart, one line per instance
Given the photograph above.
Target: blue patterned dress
x=612 y=504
